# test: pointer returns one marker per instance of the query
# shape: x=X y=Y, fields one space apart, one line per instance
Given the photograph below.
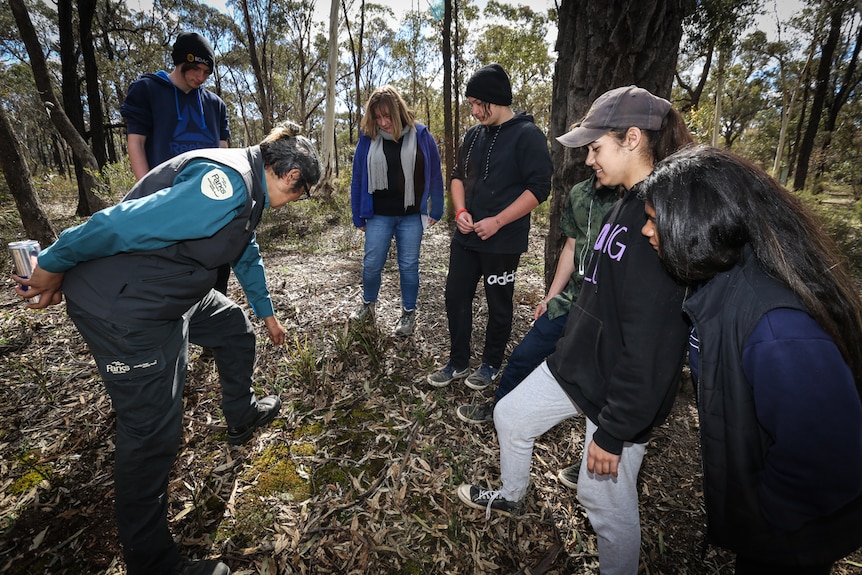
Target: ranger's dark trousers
x=143 y=365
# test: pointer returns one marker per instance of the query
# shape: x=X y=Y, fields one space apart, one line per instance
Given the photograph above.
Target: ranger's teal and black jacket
x=156 y=253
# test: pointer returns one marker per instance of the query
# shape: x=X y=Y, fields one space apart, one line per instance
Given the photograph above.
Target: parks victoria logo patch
x=216 y=185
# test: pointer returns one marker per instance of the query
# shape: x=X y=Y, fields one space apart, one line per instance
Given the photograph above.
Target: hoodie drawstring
x=203 y=122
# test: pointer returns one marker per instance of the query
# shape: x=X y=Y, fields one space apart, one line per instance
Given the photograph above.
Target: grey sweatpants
x=143 y=365
x=536 y=405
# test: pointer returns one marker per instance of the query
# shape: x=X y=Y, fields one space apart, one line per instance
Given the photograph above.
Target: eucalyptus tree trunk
x=37 y=226
x=721 y=70
x=821 y=90
x=263 y=94
x=787 y=113
x=81 y=151
x=604 y=45
x=449 y=114
x=329 y=119
x=356 y=59
x=86 y=13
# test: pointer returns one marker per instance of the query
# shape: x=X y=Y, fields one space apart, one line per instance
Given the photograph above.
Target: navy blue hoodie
x=173 y=121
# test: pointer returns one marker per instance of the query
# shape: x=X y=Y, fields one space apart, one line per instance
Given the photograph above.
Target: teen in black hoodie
x=503 y=172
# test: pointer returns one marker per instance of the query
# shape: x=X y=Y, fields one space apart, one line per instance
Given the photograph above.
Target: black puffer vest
x=162 y=284
x=734 y=445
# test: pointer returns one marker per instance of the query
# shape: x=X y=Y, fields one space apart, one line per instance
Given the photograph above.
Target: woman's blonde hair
x=387 y=98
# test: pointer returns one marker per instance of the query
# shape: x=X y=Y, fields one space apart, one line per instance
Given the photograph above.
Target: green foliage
x=117 y=178
x=516 y=39
x=843 y=223
x=367 y=339
x=303 y=364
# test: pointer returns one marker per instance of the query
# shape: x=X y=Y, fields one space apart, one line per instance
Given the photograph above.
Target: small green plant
x=302 y=361
x=117 y=179
x=370 y=340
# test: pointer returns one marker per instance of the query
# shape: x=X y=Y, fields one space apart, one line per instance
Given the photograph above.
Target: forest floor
x=359 y=472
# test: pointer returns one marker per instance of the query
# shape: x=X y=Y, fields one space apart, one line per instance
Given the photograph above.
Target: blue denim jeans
x=379 y=231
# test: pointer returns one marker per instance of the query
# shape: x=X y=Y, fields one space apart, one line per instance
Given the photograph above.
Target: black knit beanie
x=194 y=48
x=490 y=84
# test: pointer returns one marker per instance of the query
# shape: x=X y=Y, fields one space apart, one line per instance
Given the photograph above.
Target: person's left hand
x=41 y=283
x=487 y=227
x=541 y=308
x=274 y=329
x=601 y=462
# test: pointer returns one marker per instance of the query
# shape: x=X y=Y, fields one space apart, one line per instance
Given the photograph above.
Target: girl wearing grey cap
x=503 y=172
x=619 y=359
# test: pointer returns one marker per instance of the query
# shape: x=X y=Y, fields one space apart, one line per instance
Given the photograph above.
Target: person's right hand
x=602 y=462
x=464 y=223
x=41 y=283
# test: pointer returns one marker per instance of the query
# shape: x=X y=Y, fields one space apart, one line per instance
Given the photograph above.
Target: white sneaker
x=365 y=312
x=407 y=323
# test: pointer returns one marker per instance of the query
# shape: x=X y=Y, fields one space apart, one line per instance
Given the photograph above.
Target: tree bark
x=843 y=90
x=603 y=45
x=37 y=226
x=263 y=93
x=55 y=111
x=827 y=52
x=70 y=89
x=326 y=186
x=86 y=12
x=449 y=113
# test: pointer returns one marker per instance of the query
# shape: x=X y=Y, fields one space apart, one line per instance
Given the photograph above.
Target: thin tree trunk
x=827 y=53
x=263 y=95
x=329 y=120
x=37 y=226
x=847 y=86
x=787 y=113
x=55 y=111
x=719 y=94
x=448 y=112
x=87 y=10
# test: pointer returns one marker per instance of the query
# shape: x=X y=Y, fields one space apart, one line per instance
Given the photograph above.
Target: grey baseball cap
x=623 y=107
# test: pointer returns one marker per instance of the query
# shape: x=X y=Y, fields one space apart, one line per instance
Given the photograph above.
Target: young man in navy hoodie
x=168 y=114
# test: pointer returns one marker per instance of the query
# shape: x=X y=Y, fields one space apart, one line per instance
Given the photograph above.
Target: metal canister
x=24 y=254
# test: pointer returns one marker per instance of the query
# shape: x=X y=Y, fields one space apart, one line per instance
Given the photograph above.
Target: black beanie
x=193 y=48
x=490 y=84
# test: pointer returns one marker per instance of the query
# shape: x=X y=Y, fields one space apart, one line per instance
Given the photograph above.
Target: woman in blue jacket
x=776 y=350
x=396 y=191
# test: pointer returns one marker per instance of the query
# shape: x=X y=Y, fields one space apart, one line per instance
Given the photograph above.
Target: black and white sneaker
x=477 y=413
x=448 y=373
x=489 y=501
x=482 y=377
x=569 y=476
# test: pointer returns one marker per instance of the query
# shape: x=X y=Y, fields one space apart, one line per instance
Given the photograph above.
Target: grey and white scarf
x=378 y=178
